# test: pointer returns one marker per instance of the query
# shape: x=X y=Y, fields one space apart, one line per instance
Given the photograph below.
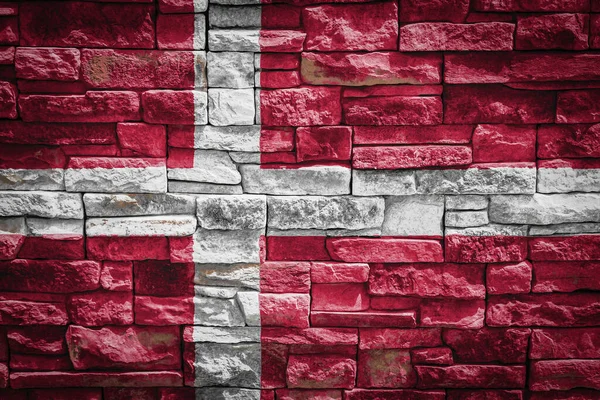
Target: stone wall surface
x=300 y=199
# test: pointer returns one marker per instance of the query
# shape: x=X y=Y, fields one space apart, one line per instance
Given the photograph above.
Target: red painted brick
x=502 y=67
x=7 y=55
x=286 y=310
x=310 y=336
x=443 y=134
x=136 y=348
x=280 y=16
x=92 y=107
x=50 y=276
x=464 y=314
x=366 y=69
x=552 y=310
x=161 y=278
x=509 y=278
x=574 y=141
x=10 y=244
x=19 y=132
x=507 y=346
x=8 y=100
x=47 y=64
x=127 y=248
x=101 y=308
x=595 y=31
x=479 y=104
x=20 y=380
x=564 y=374
x=433 y=356
x=339 y=297
x=325 y=394
x=394 y=110
x=437 y=10
x=393 y=303
x=467 y=376
x=273 y=365
x=9 y=8
x=310 y=105
x=53 y=247
x=393 y=394
x=324 y=143
x=568 y=248
x=314 y=372
x=352 y=27
x=393 y=90
x=410 y=157
x=531 y=5
x=376 y=338
x=145 y=140
x=168 y=107
x=282 y=61
x=485 y=249
x=284 y=277
x=565 y=343
x=284 y=41
x=385 y=368
x=375 y=319
x=342 y=350
x=164 y=310
x=554 y=31
x=135 y=69
x=24 y=312
x=65 y=394
x=301 y=248
x=478 y=394
x=428 y=280
x=175 y=31
x=566 y=276
x=26 y=362
x=279 y=79
x=576 y=106
x=57 y=23
x=32 y=340
x=504 y=143
x=176 y=6
x=9 y=30
x=276 y=139
x=280 y=157
x=54 y=87
x=339 y=273
x=384 y=250
x=117 y=276
x=31 y=157
x=432 y=36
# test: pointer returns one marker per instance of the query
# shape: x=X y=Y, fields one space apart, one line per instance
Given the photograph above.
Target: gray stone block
x=321 y=180
x=232 y=212
x=413 y=216
x=233 y=365
x=320 y=212
x=41 y=204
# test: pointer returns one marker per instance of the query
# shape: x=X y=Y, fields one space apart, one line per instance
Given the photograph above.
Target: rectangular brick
x=135 y=69
x=57 y=23
x=92 y=107
x=519 y=67
x=394 y=110
x=439 y=36
x=478 y=104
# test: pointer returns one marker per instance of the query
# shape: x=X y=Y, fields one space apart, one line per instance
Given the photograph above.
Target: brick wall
x=300 y=200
